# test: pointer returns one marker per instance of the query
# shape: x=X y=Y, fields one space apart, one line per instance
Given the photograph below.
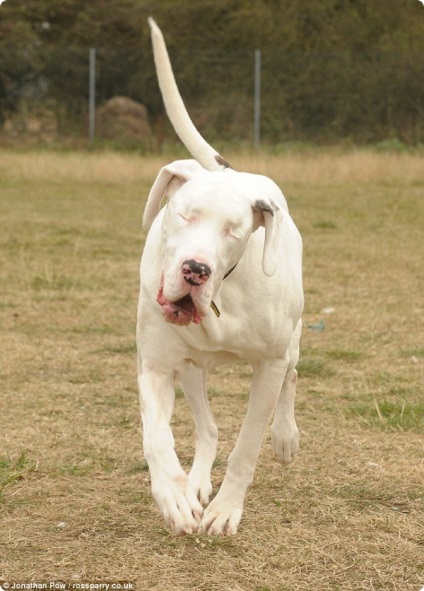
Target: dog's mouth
x=180 y=312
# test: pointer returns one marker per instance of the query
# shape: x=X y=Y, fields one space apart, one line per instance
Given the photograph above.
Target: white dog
x=221 y=280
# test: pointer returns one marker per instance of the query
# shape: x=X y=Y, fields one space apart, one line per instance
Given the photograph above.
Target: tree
x=333 y=68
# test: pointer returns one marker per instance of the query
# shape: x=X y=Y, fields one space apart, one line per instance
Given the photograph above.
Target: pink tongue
x=181 y=312
x=186 y=306
x=196 y=318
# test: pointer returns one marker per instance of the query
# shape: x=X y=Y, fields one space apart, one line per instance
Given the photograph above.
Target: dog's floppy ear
x=270 y=215
x=170 y=178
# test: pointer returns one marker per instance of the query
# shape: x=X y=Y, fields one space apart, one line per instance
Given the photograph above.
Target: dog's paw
x=179 y=504
x=221 y=519
x=201 y=484
x=285 y=442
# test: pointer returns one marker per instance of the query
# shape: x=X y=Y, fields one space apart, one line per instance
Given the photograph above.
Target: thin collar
x=213 y=305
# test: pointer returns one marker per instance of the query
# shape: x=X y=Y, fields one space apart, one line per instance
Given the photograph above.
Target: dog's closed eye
x=186 y=218
x=231 y=232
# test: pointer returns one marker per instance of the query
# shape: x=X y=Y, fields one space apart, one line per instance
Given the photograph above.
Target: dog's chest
x=229 y=338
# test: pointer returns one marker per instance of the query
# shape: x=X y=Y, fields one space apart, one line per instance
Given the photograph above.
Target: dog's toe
x=179 y=505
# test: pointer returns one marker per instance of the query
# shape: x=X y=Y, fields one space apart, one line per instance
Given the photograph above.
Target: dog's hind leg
x=193 y=383
x=284 y=431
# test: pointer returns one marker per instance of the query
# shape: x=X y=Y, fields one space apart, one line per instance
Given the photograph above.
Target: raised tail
x=198 y=147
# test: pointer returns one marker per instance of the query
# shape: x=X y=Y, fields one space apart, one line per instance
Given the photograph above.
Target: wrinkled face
x=205 y=230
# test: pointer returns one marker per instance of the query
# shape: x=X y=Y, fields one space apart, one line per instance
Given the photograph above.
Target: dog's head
x=207 y=223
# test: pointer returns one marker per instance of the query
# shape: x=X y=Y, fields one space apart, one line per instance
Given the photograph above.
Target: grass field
x=75 y=501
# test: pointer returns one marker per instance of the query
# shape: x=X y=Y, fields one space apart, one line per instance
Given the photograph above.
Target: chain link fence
x=45 y=96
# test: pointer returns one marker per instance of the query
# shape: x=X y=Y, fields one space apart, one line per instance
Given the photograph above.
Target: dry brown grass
x=321 y=168
x=75 y=501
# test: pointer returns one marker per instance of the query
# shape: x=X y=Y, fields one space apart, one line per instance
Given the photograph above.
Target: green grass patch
x=122 y=349
x=55 y=282
x=87 y=465
x=311 y=367
x=138 y=467
x=413 y=352
x=12 y=471
x=390 y=414
x=364 y=495
x=325 y=225
x=344 y=355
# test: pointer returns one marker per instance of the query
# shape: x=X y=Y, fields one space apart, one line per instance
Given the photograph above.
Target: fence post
x=92 y=95
x=257 y=105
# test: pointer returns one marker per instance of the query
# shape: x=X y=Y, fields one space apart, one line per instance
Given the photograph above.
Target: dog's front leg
x=193 y=383
x=224 y=513
x=171 y=488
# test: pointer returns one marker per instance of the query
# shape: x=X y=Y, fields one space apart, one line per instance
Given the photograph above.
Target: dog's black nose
x=195 y=273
